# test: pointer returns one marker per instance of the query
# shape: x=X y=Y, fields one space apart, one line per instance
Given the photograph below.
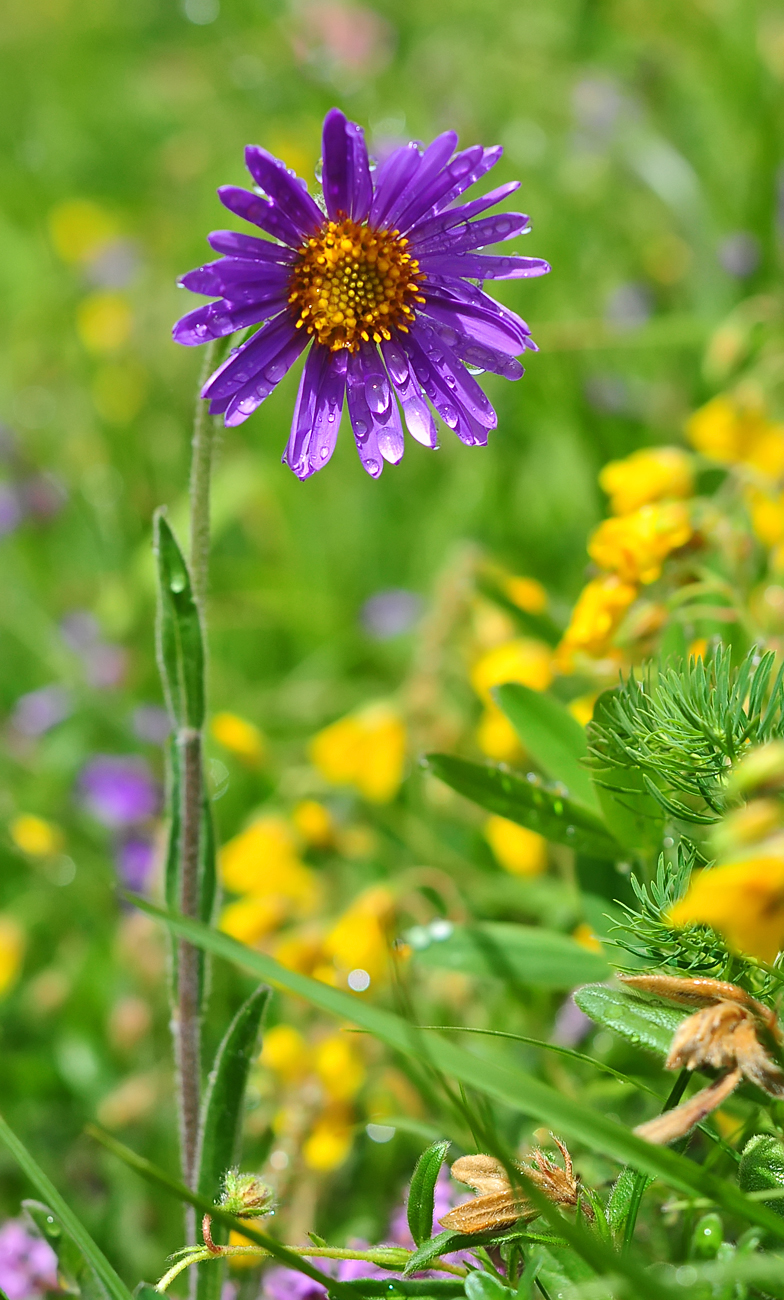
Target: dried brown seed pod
x=498 y=1204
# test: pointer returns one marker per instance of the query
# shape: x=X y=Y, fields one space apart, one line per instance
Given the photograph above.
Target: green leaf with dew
x=517 y=954
x=483 y=1286
x=645 y=1024
x=74 y=1274
x=554 y=739
x=529 y=803
x=179 y=637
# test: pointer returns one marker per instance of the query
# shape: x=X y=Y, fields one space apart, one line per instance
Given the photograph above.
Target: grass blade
x=554 y=739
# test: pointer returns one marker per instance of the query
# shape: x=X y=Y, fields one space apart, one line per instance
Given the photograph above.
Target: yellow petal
x=743 y=901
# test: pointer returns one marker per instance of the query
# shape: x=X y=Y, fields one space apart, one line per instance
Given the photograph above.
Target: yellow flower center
x=351 y=283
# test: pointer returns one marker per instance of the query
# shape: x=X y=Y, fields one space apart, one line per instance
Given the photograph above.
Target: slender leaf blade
x=180 y=646
x=531 y=805
x=518 y=954
x=74 y=1274
x=422 y=1191
x=504 y=1083
x=649 y=1025
x=554 y=739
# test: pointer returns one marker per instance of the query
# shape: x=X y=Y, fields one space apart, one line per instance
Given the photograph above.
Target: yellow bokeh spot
x=242 y=1261
x=365 y=750
x=515 y=848
x=251 y=919
x=286 y=1053
x=736 y=431
x=584 y=935
x=104 y=322
x=314 y=824
x=523 y=660
x=596 y=617
x=12 y=946
x=581 y=709
x=329 y=1142
x=635 y=546
x=239 y=736
x=80 y=229
x=653 y=474
x=744 y=901
x=33 y=835
x=339 y=1067
x=262 y=861
x=496 y=737
x=359 y=939
x=527 y=594
x=119 y=391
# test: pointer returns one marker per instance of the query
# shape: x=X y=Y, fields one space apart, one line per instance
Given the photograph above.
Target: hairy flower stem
x=187 y=1017
x=641 y=1180
x=391 y=1257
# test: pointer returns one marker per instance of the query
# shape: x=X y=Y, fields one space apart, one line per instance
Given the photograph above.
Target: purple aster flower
x=119 y=791
x=382 y=283
x=28 y=1265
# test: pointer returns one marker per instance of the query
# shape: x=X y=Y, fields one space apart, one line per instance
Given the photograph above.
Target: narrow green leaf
x=634 y=817
x=762 y=1167
x=620 y=1201
x=146 y=1291
x=74 y=1274
x=152 y=1174
x=518 y=954
x=649 y=1025
x=224 y=1098
x=447 y=1242
x=115 y=1287
x=422 y=1192
x=381 y=1286
x=483 y=1286
x=554 y=739
x=179 y=639
x=504 y=1083
x=527 y=803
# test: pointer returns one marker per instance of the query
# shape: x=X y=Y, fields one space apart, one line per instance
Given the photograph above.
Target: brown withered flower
x=498 y=1204
x=724 y=1034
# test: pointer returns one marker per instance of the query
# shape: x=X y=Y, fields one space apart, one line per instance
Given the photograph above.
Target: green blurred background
x=649 y=141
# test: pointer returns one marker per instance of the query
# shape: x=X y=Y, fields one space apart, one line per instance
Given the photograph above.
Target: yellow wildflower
x=300 y=950
x=358 y=941
x=262 y=861
x=329 y=1141
x=527 y=594
x=314 y=823
x=523 y=660
x=635 y=546
x=735 y=431
x=251 y=918
x=767 y=515
x=366 y=750
x=596 y=617
x=104 y=321
x=34 y=836
x=496 y=737
x=12 y=946
x=581 y=709
x=285 y=1052
x=518 y=850
x=80 y=229
x=339 y=1067
x=653 y=474
x=744 y=901
x=241 y=1261
x=239 y=736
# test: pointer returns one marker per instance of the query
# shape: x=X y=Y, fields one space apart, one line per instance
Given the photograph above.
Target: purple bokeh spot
x=134 y=859
x=119 y=791
x=40 y=710
x=28 y=1265
x=571 y=1024
x=10 y=509
x=151 y=723
x=390 y=613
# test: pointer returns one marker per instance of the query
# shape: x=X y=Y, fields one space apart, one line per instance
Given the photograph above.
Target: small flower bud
x=761 y=771
x=246 y=1195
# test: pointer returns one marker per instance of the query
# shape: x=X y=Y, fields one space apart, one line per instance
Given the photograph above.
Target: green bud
x=707 y=1237
x=246 y=1195
x=762 y=1167
x=760 y=771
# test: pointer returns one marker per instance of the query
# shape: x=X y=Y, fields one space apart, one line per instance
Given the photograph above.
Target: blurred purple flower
x=119 y=790
x=28 y=1265
x=739 y=254
x=105 y=665
x=150 y=722
x=10 y=509
x=571 y=1024
x=43 y=495
x=134 y=860
x=40 y=710
x=390 y=613
x=80 y=630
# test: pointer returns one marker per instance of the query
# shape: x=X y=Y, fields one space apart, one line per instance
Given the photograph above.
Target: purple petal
x=418 y=416
x=378 y=394
x=284 y=189
x=426 y=373
x=391 y=180
x=261 y=212
x=317 y=414
x=461 y=291
x=345 y=171
x=436 y=225
x=433 y=159
x=478 y=266
x=470 y=431
x=489 y=329
x=428 y=195
x=216 y=278
x=487 y=161
x=460 y=383
x=217 y=319
x=363 y=422
x=235 y=245
x=389 y=435
x=475 y=234
x=475 y=355
x=267 y=377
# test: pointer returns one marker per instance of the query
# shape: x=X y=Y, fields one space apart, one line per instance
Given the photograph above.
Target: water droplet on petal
x=360 y=428
x=371 y=466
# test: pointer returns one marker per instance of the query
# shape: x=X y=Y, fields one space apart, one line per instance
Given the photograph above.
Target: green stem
x=203 y=448
x=641 y=1180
